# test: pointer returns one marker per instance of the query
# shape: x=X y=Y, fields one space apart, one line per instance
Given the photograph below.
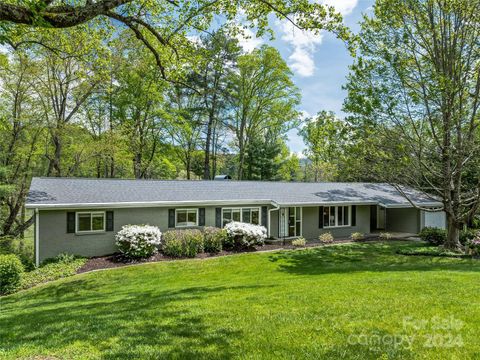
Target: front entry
x=290 y=222
x=377 y=218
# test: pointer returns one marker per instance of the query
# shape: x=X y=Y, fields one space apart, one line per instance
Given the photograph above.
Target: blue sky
x=320 y=63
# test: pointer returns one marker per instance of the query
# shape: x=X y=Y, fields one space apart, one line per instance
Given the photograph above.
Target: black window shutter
x=70 y=222
x=218 y=217
x=354 y=215
x=109 y=224
x=201 y=217
x=264 y=216
x=320 y=217
x=171 y=218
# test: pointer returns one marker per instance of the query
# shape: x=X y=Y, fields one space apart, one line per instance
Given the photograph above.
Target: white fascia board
x=116 y=205
x=421 y=205
x=338 y=203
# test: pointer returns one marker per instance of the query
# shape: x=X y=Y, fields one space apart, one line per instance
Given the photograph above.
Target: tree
x=264 y=100
x=184 y=125
x=68 y=81
x=325 y=139
x=417 y=80
x=162 y=25
x=20 y=130
x=219 y=53
x=138 y=106
x=290 y=169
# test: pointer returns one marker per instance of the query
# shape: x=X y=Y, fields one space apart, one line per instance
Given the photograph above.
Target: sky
x=319 y=63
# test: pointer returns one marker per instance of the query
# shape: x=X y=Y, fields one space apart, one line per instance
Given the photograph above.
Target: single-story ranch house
x=81 y=216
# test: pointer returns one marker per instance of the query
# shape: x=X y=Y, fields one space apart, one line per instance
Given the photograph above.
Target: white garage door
x=435 y=219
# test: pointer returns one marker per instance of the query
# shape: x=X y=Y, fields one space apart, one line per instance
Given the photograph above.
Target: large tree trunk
x=55 y=167
x=137 y=165
x=208 y=139
x=453 y=233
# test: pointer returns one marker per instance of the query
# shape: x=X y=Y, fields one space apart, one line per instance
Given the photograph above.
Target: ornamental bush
x=299 y=242
x=432 y=235
x=182 y=243
x=326 y=238
x=214 y=239
x=474 y=246
x=385 y=236
x=356 y=236
x=138 y=241
x=11 y=271
x=467 y=235
x=172 y=244
x=244 y=236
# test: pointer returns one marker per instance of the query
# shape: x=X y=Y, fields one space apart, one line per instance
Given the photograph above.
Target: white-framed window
x=186 y=217
x=336 y=216
x=246 y=215
x=90 y=222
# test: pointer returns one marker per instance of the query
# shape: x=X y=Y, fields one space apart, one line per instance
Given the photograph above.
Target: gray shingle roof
x=77 y=192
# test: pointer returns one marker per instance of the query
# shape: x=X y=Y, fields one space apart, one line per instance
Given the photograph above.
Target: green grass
x=312 y=303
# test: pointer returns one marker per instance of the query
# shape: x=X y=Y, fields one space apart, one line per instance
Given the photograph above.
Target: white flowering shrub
x=242 y=235
x=138 y=241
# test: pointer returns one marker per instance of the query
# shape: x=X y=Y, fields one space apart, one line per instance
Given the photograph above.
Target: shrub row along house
x=81 y=216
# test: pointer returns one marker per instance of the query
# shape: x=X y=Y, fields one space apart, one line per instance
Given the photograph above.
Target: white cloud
x=344 y=7
x=248 y=41
x=195 y=39
x=304 y=43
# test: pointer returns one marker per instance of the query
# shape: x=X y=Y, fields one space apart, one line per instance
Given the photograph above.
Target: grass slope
x=311 y=303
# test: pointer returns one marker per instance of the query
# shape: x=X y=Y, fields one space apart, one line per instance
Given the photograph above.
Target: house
x=81 y=216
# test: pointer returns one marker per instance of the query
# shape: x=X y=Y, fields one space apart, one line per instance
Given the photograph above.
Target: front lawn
x=355 y=301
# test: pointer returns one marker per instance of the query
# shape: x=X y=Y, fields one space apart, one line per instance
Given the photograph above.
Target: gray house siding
x=54 y=238
x=403 y=220
x=311 y=228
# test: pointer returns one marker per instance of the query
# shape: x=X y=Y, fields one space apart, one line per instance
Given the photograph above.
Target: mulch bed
x=117 y=260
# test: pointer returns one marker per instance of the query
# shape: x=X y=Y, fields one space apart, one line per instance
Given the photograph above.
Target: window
x=90 y=221
x=186 y=217
x=246 y=215
x=336 y=216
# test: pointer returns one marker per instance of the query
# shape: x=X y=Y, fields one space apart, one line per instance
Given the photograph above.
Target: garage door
x=435 y=219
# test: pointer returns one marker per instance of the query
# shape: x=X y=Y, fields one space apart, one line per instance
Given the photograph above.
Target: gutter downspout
x=37 y=238
x=275 y=208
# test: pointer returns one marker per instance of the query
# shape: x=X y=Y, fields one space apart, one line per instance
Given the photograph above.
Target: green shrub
x=228 y=243
x=23 y=248
x=172 y=244
x=61 y=266
x=182 y=243
x=193 y=242
x=326 y=238
x=11 y=271
x=299 y=242
x=214 y=239
x=467 y=235
x=434 y=236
